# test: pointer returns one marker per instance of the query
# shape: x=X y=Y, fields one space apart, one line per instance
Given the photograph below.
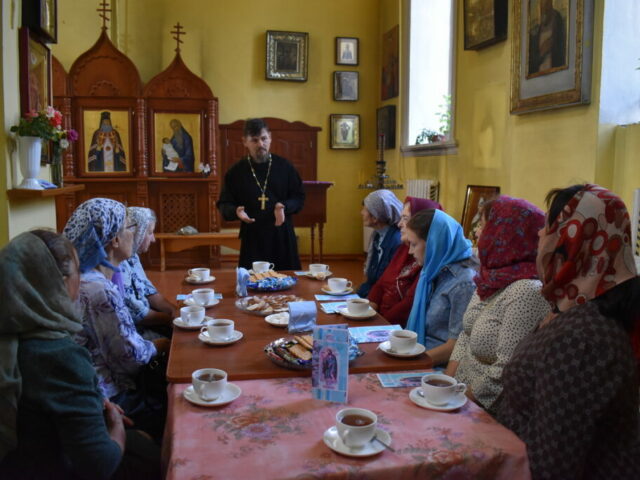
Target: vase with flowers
x=34 y=128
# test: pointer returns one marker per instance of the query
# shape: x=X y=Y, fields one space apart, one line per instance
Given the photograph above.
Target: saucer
x=190 y=301
x=278 y=319
x=204 y=337
x=454 y=404
x=195 y=281
x=334 y=442
x=326 y=289
x=344 y=311
x=317 y=276
x=187 y=326
x=231 y=392
x=386 y=348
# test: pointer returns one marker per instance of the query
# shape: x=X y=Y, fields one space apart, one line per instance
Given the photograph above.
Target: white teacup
x=356 y=426
x=338 y=284
x=192 y=315
x=219 y=328
x=358 y=306
x=203 y=296
x=440 y=389
x=200 y=274
x=209 y=383
x=403 y=341
x=315 y=268
x=262 y=267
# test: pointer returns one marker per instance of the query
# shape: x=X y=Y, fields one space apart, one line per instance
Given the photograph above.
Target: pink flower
x=50 y=111
x=72 y=135
x=31 y=114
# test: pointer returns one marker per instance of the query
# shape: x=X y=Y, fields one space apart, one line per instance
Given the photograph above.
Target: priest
x=263 y=191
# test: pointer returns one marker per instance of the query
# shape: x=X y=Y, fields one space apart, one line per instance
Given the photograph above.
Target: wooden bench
x=172 y=242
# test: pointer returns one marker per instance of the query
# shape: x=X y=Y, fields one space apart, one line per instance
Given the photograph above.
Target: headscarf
x=587 y=250
x=35 y=304
x=445 y=245
x=416 y=204
x=142 y=218
x=508 y=245
x=384 y=205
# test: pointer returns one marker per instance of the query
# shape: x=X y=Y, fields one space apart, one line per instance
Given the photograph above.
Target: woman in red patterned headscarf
x=571 y=388
x=392 y=295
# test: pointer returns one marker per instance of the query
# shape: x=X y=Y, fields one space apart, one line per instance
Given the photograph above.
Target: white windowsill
x=430 y=149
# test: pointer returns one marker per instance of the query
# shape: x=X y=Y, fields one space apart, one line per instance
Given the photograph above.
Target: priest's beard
x=262 y=155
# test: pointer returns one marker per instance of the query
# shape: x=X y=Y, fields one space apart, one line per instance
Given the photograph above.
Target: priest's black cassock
x=262 y=240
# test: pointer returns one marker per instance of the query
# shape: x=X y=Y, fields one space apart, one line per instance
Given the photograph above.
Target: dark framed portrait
x=105 y=142
x=474 y=198
x=485 y=23
x=287 y=54
x=345 y=131
x=386 y=125
x=347 y=51
x=177 y=143
x=390 y=83
x=35 y=73
x=345 y=86
x=41 y=17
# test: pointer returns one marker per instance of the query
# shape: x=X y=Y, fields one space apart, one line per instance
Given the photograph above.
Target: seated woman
x=570 y=390
x=103 y=237
x=54 y=422
x=392 y=295
x=507 y=304
x=381 y=211
x=446 y=281
x=148 y=308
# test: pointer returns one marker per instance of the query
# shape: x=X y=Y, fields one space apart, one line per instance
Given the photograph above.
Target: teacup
x=262 y=267
x=403 y=341
x=192 y=315
x=200 y=274
x=440 y=389
x=203 y=296
x=338 y=284
x=209 y=383
x=315 y=268
x=219 y=328
x=358 y=306
x=356 y=426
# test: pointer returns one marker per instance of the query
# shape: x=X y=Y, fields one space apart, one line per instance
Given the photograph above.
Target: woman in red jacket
x=392 y=295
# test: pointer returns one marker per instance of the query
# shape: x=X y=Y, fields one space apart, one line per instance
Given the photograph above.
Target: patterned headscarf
x=587 y=250
x=416 y=204
x=91 y=227
x=508 y=245
x=142 y=218
x=384 y=205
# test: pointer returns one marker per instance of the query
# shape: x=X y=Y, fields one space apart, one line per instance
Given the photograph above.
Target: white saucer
x=334 y=442
x=278 y=319
x=187 y=326
x=454 y=404
x=332 y=292
x=195 y=281
x=327 y=274
x=363 y=316
x=231 y=392
x=386 y=348
x=204 y=337
x=190 y=301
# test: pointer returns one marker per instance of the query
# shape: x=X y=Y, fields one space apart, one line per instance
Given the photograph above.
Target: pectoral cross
x=262 y=199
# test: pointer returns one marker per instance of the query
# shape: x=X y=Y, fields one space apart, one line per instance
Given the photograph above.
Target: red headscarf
x=508 y=245
x=416 y=204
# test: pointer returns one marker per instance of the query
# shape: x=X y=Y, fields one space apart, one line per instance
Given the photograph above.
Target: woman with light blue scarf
x=446 y=281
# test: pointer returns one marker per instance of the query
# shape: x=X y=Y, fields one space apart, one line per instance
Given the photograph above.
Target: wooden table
x=172 y=242
x=246 y=359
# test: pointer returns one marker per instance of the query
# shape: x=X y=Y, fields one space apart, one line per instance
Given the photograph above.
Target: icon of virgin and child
x=177 y=151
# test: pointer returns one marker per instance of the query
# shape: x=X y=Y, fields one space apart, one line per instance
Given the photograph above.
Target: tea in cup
x=338 y=284
x=356 y=426
x=440 y=389
x=358 y=306
x=261 y=267
x=209 y=383
x=200 y=274
x=203 y=296
x=403 y=341
x=316 y=268
x=192 y=315
x=219 y=329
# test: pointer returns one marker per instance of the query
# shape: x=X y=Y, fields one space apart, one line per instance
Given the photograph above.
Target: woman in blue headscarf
x=446 y=281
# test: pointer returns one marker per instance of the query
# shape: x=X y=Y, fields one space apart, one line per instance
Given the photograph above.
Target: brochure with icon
x=326 y=298
x=332 y=307
x=330 y=371
x=181 y=297
x=406 y=379
x=373 y=333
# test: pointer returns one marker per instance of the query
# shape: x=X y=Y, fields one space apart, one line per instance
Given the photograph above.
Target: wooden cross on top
x=177 y=32
x=104 y=8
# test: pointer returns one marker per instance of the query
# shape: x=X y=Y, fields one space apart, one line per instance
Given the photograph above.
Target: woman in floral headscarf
x=571 y=387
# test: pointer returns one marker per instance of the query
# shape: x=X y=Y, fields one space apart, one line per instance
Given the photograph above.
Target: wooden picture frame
x=390 y=81
x=41 y=17
x=543 y=78
x=347 y=51
x=177 y=143
x=345 y=86
x=475 y=196
x=102 y=151
x=485 y=23
x=287 y=56
x=345 y=131
x=386 y=125
x=35 y=73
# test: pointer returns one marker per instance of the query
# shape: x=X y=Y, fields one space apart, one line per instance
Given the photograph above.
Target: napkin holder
x=302 y=316
x=242 y=279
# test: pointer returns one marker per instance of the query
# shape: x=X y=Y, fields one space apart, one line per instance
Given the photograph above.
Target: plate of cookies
x=296 y=351
x=270 y=281
x=264 y=305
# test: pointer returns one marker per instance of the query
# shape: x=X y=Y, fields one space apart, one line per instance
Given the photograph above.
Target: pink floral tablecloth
x=274 y=430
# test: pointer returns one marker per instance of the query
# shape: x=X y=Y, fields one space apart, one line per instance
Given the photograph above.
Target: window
x=430 y=42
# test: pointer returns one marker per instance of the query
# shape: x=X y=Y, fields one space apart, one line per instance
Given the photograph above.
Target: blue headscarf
x=445 y=245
